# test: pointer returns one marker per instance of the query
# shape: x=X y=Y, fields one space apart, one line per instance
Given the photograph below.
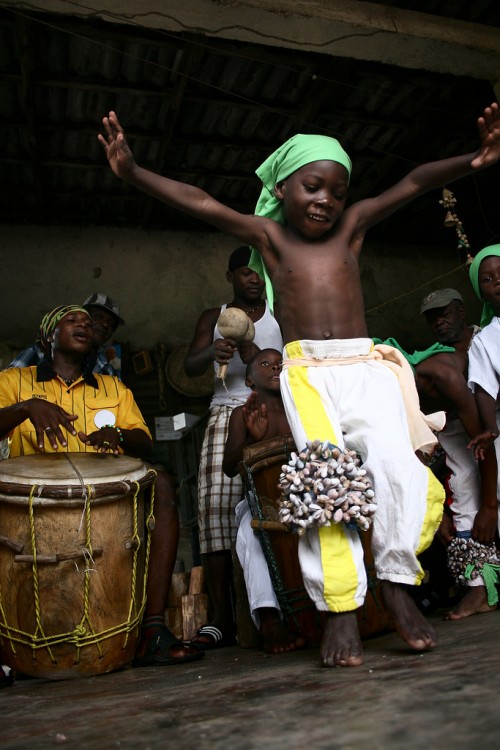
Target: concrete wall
x=164 y=280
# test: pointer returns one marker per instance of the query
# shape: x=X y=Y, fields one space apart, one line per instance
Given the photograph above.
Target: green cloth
x=488 y=312
x=50 y=321
x=417 y=356
x=491 y=577
x=290 y=156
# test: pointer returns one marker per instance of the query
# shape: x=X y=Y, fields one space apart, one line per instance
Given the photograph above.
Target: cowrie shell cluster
x=465 y=552
x=322 y=485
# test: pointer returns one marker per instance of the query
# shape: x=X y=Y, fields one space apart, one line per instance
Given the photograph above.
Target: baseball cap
x=239 y=258
x=439 y=298
x=98 y=299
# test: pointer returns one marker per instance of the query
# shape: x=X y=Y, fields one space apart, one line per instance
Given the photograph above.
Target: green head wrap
x=50 y=321
x=488 y=311
x=292 y=155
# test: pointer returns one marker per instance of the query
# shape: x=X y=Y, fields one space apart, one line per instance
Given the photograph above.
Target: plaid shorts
x=218 y=494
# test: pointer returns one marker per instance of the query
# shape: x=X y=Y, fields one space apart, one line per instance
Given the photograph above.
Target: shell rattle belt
x=323 y=485
x=468 y=559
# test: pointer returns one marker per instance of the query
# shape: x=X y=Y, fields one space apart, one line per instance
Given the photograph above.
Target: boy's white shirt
x=484 y=359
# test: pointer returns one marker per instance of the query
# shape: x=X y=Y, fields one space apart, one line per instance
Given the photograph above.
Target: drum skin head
x=67 y=468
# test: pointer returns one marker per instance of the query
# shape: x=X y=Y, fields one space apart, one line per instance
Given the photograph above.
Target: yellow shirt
x=80 y=398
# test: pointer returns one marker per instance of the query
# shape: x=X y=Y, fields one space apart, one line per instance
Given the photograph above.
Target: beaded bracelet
x=118 y=431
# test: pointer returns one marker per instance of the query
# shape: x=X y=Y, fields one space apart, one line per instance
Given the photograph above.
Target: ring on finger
x=47 y=429
x=105 y=442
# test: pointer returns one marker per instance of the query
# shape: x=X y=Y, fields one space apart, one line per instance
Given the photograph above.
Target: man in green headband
x=484 y=354
x=62 y=405
x=310 y=250
x=492 y=251
x=105 y=314
x=478 y=556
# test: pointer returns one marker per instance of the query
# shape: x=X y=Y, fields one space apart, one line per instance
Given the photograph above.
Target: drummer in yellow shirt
x=42 y=406
x=62 y=405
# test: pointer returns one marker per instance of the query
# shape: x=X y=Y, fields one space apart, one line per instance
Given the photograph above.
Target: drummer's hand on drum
x=224 y=350
x=47 y=420
x=255 y=417
x=105 y=440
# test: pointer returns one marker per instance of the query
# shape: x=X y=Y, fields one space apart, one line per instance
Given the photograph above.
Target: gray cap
x=439 y=298
x=98 y=299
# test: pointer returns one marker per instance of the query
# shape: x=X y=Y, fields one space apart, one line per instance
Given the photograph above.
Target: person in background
x=473 y=487
x=45 y=407
x=105 y=315
x=262 y=417
x=218 y=494
x=484 y=379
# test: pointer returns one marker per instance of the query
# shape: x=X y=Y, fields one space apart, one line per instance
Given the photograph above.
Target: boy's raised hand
x=115 y=145
x=489 y=133
x=255 y=417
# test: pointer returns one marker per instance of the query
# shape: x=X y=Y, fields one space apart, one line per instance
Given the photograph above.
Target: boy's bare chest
x=308 y=262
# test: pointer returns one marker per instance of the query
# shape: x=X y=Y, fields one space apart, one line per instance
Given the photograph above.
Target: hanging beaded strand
x=451 y=220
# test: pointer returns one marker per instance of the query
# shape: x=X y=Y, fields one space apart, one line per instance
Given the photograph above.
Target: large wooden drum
x=73 y=562
x=260 y=470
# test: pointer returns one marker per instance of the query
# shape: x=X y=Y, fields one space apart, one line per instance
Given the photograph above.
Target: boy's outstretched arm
x=434 y=174
x=187 y=198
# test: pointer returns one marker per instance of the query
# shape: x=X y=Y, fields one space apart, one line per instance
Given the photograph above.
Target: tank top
x=267 y=336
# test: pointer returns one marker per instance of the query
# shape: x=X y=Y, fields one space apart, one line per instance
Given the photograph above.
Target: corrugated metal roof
x=208 y=112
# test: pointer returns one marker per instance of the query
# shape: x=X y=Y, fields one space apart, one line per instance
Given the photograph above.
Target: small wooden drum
x=73 y=562
x=260 y=470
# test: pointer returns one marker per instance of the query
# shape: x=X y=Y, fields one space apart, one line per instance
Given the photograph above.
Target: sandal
x=215 y=636
x=158 y=650
x=5 y=679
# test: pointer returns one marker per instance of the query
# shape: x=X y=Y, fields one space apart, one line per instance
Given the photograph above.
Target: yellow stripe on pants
x=433 y=514
x=341 y=581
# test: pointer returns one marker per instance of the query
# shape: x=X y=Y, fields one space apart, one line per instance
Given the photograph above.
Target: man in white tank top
x=218 y=495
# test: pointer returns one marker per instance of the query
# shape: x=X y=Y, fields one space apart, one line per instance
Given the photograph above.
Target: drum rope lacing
x=285 y=597
x=82 y=636
x=85 y=495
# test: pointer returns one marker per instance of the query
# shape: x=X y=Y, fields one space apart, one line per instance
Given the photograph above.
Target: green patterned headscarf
x=292 y=155
x=50 y=321
x=488 y=312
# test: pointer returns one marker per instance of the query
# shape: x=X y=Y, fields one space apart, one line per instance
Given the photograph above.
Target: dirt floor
x=240 y=699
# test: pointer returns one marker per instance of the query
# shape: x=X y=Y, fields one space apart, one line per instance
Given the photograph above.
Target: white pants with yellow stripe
x=360 y=406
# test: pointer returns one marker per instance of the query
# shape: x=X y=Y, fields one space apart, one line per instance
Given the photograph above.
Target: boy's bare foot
x=276 y=637
x=341 y=644
x=410 y=623
x=474 y=602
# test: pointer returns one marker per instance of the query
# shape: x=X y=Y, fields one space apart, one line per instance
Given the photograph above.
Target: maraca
x=234 y=323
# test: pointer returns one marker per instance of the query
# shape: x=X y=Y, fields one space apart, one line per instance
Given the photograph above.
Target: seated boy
x=262 y=417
